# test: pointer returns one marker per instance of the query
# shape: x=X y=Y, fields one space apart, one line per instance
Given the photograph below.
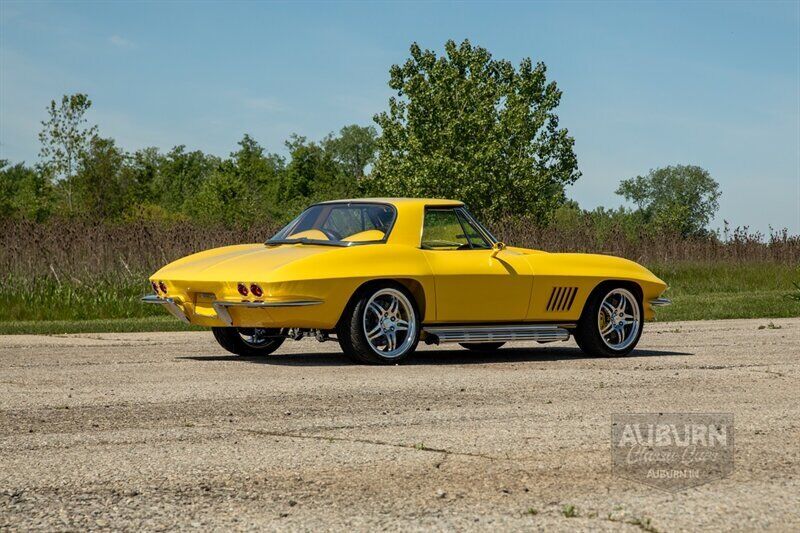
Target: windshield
x=344 y=224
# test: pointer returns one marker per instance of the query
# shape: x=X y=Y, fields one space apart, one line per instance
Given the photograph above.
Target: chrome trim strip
x=504 y=333
x=169 y=304
x=221 y=306
x=660 y=302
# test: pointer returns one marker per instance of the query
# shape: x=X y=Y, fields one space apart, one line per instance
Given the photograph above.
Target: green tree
x=471 y=127
x=680 y=198
x=354 y=148
x=222 y=198
x=65 y=137
x=258 y=169
x=24 y=192
x=8 y=186
x=98 y=186
x=242 y=188
x=313 y=175
x=180 y=175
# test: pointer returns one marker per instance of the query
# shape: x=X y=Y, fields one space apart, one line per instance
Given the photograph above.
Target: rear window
x=341 y=224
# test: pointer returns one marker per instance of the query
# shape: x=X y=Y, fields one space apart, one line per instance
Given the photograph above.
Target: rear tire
x=611 y=322
x=249 y=342
x=481 y=346
x=381 y=325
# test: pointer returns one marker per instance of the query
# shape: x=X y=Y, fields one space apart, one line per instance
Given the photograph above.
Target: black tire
x=231 y=340
x=351 y=329
x=587 y=333
x=481 y=346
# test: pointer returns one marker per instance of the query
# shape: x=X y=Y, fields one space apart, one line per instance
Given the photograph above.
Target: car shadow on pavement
x=434 y=357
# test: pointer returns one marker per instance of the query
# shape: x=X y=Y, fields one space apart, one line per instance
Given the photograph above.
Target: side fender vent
x=561 y=299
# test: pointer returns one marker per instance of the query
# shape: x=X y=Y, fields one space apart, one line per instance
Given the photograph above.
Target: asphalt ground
x=153 y=431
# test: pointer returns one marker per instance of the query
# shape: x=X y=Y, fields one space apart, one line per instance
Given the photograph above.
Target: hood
x=248 y=262
x=597 y=265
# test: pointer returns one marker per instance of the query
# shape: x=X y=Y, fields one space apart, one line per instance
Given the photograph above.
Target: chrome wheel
x=256 y=337
x=389 y=323
x=619 y=319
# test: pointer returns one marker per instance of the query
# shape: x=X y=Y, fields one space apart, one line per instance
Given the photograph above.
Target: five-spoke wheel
x=381 y=325
x=611 y=323
x=618 y=319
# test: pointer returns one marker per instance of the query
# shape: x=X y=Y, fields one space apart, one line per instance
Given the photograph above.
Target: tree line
x=460 y=125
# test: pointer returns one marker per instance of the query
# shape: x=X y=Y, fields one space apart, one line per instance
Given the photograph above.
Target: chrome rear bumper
x=221 y=306
x=660 y=302
x=169 y=304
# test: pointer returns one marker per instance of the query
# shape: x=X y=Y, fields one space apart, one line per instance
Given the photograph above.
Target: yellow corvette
x=379 y=275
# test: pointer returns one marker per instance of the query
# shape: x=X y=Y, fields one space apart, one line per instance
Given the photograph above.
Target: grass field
x=111 y=325
x=699 y=291
x=746 y=290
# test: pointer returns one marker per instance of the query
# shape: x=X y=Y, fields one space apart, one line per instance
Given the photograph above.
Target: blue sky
x=645 y=84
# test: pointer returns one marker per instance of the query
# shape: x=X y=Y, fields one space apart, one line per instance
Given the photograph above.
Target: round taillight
x=242 y=288
x=162 y=286
x=155 y=286
x=256 y=290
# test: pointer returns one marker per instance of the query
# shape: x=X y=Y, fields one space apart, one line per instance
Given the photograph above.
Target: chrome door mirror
x=498 y=247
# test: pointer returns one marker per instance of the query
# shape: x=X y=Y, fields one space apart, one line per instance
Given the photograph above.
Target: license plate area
x=203 y=304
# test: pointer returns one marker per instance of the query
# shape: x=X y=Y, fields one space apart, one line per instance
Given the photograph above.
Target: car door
x=473 y=282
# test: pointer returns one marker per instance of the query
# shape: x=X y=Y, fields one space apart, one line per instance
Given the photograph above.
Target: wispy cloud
x=121 y=42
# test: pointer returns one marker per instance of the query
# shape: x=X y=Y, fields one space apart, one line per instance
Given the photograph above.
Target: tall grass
x=75 y=249
x=78 y=270
x=57 y=298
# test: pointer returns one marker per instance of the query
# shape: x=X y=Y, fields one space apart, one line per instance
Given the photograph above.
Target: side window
x=441 y=230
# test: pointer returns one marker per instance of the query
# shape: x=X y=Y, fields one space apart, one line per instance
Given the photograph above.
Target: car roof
x=400 y=201
x=407 y=226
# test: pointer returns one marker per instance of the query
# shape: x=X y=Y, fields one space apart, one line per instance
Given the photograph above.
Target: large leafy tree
x=180 y=175
x=467 y=126
x=354 y=148
x=24 y=192
x=65 y=138
x=681 y=198
x=98 y=185
x=313 y=175
x=242 y=189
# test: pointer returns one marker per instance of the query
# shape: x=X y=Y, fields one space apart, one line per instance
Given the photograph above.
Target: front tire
x=250 y=342
x=381 y=325
x=611 y=323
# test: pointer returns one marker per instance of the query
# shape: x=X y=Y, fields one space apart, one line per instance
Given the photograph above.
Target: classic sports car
x=379 y=275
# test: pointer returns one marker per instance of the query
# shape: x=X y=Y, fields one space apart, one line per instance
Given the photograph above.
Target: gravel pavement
x=147 y=431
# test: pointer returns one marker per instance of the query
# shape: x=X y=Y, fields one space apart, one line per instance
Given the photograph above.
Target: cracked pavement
x=166 y=430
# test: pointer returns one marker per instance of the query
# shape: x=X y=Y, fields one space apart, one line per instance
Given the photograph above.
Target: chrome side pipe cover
x=500 y=333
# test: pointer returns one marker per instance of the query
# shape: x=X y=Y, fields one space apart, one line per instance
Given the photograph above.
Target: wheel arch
x=608 y=284
x=413 y=286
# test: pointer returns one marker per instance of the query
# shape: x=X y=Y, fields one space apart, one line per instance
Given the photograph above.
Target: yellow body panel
x=449 y=286
x=467 y=280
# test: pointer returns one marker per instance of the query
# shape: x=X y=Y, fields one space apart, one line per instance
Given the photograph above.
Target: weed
x=796 y=294
x=75 y=270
